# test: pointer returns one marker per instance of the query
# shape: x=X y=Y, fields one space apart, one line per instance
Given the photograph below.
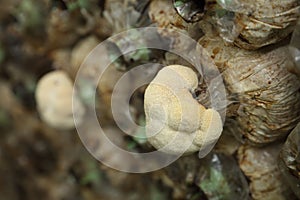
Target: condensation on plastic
x=228 y=28
x=221 y=178
x=227 y=20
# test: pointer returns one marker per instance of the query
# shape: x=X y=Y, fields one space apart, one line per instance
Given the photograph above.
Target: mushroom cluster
x=176 y=122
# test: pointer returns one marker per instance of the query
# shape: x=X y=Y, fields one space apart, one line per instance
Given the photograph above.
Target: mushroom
x=54 y=100
x=80 y=52
x=176 y=122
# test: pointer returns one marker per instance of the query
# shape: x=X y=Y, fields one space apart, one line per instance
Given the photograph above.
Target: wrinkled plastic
x=254 y=24
x=228 y=27
x=260 y=167
x=190 y=10
x=239 y=6
x=226 y=18
x=289 y=161
x=260 y=8
x=221 y=178
x=269 y=101
x=294 y=46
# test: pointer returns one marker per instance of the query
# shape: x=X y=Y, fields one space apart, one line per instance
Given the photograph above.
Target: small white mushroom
x=176 y=122
x=80 y=52
x=54 y=100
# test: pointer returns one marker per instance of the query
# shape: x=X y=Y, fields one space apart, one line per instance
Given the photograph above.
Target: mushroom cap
x=54 y=96
x=81 y=51
x=176 y=122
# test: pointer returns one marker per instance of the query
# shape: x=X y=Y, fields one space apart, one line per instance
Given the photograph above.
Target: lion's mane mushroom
x=176 y=122
x=54 y=100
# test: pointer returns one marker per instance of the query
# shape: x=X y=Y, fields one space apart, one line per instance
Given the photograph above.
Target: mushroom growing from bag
x=176 y=122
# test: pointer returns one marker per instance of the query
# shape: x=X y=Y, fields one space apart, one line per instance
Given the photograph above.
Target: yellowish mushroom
x=54 y=100
x=176 y=122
